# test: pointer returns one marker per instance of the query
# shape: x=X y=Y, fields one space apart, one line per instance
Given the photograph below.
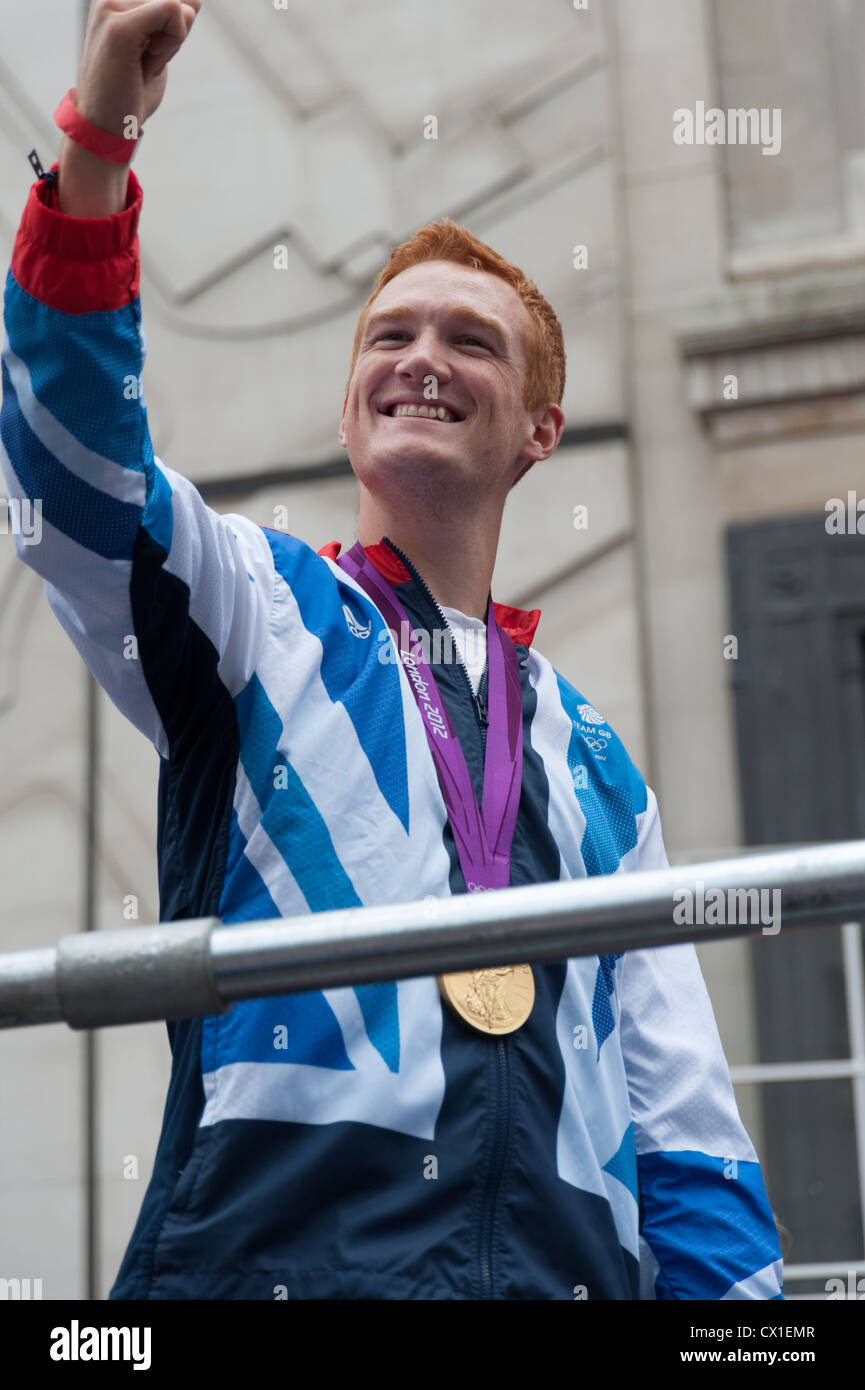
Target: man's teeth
x=427 y=412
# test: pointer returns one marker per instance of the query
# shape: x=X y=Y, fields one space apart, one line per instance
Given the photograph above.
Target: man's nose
x=426 y=355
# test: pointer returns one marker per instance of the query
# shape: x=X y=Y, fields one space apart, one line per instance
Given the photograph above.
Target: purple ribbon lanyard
x=483 y=837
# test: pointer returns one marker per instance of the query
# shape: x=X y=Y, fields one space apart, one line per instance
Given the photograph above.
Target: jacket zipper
x=501 y=1125
x=46 y=175
x=501 y=1090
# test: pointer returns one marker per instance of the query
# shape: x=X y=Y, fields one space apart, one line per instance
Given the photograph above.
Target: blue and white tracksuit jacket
x=358 y=1143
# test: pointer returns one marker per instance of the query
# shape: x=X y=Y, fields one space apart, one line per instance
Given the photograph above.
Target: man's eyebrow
x=464 y=312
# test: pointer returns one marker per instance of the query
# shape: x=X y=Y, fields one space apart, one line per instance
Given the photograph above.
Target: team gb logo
x=589 y=714
x=355 y=628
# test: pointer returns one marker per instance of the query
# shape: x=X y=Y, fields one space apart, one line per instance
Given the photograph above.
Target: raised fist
x=126 y=48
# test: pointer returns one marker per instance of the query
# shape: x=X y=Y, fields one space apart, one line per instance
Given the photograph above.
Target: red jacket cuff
x=78 y=265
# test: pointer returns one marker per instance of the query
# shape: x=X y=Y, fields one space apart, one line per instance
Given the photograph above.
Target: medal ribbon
x=483 y=837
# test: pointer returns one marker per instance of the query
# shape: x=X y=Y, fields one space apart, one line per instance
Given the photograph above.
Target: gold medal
x=496 y=1000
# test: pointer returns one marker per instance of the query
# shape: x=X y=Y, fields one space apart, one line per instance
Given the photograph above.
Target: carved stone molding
x=773 y=358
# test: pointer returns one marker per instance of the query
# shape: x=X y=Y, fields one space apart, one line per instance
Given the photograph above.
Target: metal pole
x=189 y=969
x=854 y=984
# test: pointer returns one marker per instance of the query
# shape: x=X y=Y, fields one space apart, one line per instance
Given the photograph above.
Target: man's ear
x=342 y=423
x=549 y=421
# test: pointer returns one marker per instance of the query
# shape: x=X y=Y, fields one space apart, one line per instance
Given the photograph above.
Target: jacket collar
x=519 y=623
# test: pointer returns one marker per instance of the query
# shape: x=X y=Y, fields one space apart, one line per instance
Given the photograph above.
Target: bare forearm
x=121 y=78
x=88 y=186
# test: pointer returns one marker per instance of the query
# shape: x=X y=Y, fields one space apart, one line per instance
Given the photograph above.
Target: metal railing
x=196 y=968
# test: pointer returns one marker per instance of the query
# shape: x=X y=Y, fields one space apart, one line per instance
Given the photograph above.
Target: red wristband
x=115 y=148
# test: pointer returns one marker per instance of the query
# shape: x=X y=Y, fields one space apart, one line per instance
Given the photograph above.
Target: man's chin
x=431 y=479
x=413 y=456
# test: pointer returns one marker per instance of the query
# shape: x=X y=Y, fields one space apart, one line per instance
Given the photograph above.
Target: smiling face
x=464 y=331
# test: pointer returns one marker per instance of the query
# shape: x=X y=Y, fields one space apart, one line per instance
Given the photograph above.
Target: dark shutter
x=798 y=610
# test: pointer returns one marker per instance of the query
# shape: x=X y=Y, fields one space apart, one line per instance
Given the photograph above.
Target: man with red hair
x=555 y=1131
